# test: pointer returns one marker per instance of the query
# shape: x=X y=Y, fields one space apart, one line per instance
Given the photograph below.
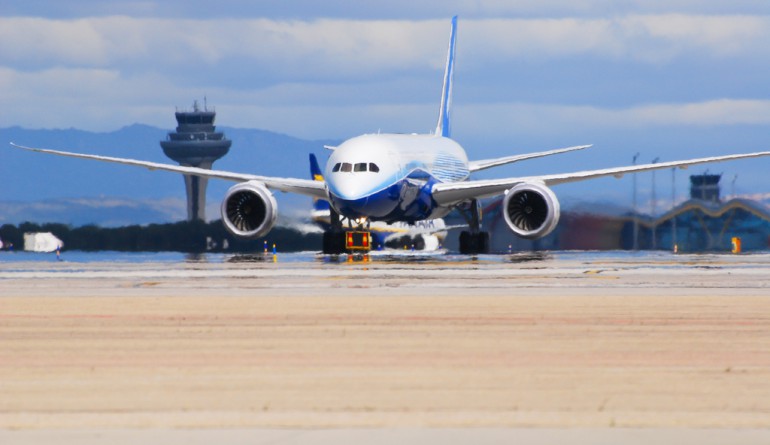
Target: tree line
x=184 y=236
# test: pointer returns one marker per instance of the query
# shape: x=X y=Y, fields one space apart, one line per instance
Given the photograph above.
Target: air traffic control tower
x=196 y=144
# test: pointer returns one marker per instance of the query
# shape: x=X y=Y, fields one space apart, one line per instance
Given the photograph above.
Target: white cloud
x=332 y=47
x=361 y=48
x=369 y=9
x=541 y=119
x=642 y=38
x=95 y=99
x=75 y=42
x=307 y=77
x=667 y=36
x=87 y=98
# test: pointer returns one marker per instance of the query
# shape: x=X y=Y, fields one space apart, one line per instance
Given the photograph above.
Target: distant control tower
x=196 y=144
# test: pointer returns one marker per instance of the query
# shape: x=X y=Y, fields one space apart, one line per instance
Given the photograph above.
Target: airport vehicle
x=404 y=178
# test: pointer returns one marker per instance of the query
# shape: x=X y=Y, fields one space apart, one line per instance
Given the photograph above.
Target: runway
x=570 y=346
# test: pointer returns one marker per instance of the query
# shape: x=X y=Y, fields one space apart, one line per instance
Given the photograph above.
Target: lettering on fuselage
x=426 y=225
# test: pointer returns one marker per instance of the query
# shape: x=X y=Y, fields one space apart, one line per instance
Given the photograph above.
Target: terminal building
x=707 y=223
x=196 y=143
x=703 y=223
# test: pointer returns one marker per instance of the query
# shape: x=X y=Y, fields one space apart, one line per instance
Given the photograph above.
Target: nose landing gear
x=337 y=240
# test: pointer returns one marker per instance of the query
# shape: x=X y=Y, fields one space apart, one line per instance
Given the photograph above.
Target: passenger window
x=346 y=167
x=337 y=167
x=373 y=167
x=360 y=167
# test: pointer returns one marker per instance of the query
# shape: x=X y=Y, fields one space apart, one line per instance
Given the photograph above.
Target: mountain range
x=44 y=188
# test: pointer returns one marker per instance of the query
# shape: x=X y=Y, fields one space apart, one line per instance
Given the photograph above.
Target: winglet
x=443 y=128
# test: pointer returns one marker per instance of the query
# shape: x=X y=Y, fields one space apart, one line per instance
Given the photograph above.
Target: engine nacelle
x=249 y=210
x=531 y=210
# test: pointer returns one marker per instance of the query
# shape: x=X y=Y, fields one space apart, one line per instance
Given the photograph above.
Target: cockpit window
x=357 y=167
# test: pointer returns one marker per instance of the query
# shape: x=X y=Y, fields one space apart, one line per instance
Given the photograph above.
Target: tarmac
x=579 y=348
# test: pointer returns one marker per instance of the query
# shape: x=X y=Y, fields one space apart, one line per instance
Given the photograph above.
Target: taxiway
x=666 y=344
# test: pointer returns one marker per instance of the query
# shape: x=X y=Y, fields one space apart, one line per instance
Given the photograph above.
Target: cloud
x=89 y=98
x=360 y=49
x=371 y=9
x=539 y=118
x=331 y=47
x=639 y=38
x=335 y=77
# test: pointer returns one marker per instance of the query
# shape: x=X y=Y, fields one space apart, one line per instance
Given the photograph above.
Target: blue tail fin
x=316 y=175
x=443 y=128
x=315 y=169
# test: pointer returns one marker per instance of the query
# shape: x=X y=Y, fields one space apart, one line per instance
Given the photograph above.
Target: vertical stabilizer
x=315 y=169
x=317 y=175
x=444 y=123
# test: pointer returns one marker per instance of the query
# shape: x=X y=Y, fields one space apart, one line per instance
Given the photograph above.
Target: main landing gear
x=475 y=241
x=337 y=240
x=334 y=242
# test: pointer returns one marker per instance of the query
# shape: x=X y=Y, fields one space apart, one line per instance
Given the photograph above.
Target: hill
x=44 y=188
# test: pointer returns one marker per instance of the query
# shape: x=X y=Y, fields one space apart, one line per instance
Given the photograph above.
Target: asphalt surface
x=579 y=349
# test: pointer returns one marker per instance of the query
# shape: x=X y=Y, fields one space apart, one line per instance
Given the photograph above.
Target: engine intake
x=531 y=210
x=249 y=210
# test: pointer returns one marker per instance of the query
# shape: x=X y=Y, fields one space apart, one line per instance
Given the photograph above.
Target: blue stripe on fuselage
x=408 y=200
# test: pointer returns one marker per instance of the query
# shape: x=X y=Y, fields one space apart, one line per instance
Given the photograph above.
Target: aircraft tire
x=474 y=243
x=334 y=242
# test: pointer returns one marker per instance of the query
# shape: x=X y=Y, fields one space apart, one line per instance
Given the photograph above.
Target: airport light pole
x=635 y=213
x=654 y=244
x=735 y=178
x=674 y=247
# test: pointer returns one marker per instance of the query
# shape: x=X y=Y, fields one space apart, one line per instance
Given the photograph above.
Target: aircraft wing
x=449 y=193
x=316 y=189
x=489 y=163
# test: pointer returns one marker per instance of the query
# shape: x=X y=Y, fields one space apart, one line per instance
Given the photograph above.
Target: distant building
x=41 y=242
x=705 y=187
x=704 y=223
x=196 y=143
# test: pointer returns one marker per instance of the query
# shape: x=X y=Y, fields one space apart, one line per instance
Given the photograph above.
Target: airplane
x=404 y=178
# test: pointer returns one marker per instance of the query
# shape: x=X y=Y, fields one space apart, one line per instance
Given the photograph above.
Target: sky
x=666 y=78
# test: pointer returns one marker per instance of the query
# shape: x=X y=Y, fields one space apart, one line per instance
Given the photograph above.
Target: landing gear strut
x=337 y=240
x=475 y=241
x=334 y=242
x=334 y=238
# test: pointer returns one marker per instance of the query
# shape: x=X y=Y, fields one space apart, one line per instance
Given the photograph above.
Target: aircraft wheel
x=334 y=242
x=474 y=243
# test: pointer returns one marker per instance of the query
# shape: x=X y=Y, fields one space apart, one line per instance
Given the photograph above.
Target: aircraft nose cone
x=351 y=207
x=348 y=187
x=376 y=205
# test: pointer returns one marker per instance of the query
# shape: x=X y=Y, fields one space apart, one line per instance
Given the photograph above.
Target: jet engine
x=249 y=210
x=531 y=210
